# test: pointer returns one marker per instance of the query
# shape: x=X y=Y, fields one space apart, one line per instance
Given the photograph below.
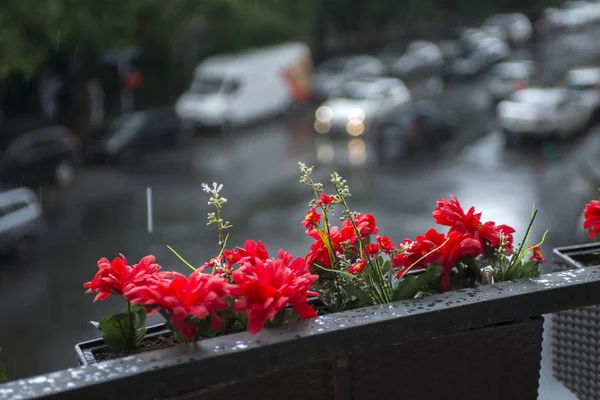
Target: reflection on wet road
x=45 y=312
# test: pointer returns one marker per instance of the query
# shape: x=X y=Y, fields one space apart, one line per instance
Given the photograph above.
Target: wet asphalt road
x=42 y=302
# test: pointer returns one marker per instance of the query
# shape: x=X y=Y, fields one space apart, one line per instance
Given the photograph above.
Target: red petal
x=304 y=310
x=183 y=326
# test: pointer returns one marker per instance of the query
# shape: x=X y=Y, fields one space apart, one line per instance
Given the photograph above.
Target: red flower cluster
x=261 y=287
x=266 y=287
x=365 y=223
x=116 y=277
x=592 y=218
x=450 y=213
x=199 y=296
x=436 y=248
x=251 y=251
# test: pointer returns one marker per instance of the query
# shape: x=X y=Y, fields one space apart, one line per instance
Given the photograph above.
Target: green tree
x=31 y=29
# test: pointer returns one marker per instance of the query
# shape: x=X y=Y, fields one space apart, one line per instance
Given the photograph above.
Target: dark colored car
x=34 y=152
x=132 y=134
x=420 y=125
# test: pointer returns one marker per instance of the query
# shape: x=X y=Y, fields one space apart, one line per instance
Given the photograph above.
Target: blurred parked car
x=471 y=36
x=475 y=58
x=329 y=77
x=132 y=134
x=586 y=82
x=514 y=28
x=509 y=76
x=35 y=152
x=542 y=113
x=20 y=221
x=416 y=60
x=233 y=90
x=572 y=15
x=412 y=126
x=359 y=105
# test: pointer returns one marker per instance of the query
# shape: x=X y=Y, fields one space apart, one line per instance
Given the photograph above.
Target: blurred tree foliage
x=31 y=28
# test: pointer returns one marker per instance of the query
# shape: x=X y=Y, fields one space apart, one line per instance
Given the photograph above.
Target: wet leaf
x=406 y=289
x=139 y=316
x=410 y=285
x=123 y=331
x=360 y=294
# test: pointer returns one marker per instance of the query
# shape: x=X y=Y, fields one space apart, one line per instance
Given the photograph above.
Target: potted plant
x=576 y=332
x=348 y=266
x=464 y=329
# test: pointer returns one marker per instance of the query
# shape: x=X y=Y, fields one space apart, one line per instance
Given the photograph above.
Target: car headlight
x=324 y=114
x=356 y=114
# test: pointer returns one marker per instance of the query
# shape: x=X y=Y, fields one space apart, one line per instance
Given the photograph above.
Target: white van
x=233 y=90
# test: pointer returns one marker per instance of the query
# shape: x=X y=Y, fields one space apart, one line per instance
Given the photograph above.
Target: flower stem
x=385 y=294
x=181 y=258
x=131 y=335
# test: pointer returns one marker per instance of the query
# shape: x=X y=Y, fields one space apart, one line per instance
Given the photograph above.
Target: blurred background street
x=96 y=203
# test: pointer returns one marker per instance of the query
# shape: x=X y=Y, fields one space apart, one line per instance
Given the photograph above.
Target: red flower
x=199 y=296
x=450 y=213
x=454 y=246
x=358 y=267
x=386 y=243
x=537 y=255
x=372 y=249
x=324 y=200
x=251 y=249
x=318 y=251
x=312 y=219
x=267 y=287
x=116 y=277
x=491 y=233
x=592 y=218
x=365 y=223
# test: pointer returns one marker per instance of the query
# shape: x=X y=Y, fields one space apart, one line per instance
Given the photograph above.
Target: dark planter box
x=482 y=343
x=576 y=332
x=86 y=350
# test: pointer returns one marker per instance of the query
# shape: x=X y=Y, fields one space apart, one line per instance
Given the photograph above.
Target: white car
x=329 y=76
x=515 y=28
x=509 y=76
x=541 y=113
x=585 y=81
x=359 y=105
x=20 y=220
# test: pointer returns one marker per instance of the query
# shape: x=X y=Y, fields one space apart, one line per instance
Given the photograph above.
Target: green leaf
x=124 y=331
x=203 y=328
x=139 y=316
x=386 y=266
x=3 y=373
x=406 y=289
x=433 y=272
x=360 y=294
x=410 y=285
x=115 y=330
x=474 y=271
